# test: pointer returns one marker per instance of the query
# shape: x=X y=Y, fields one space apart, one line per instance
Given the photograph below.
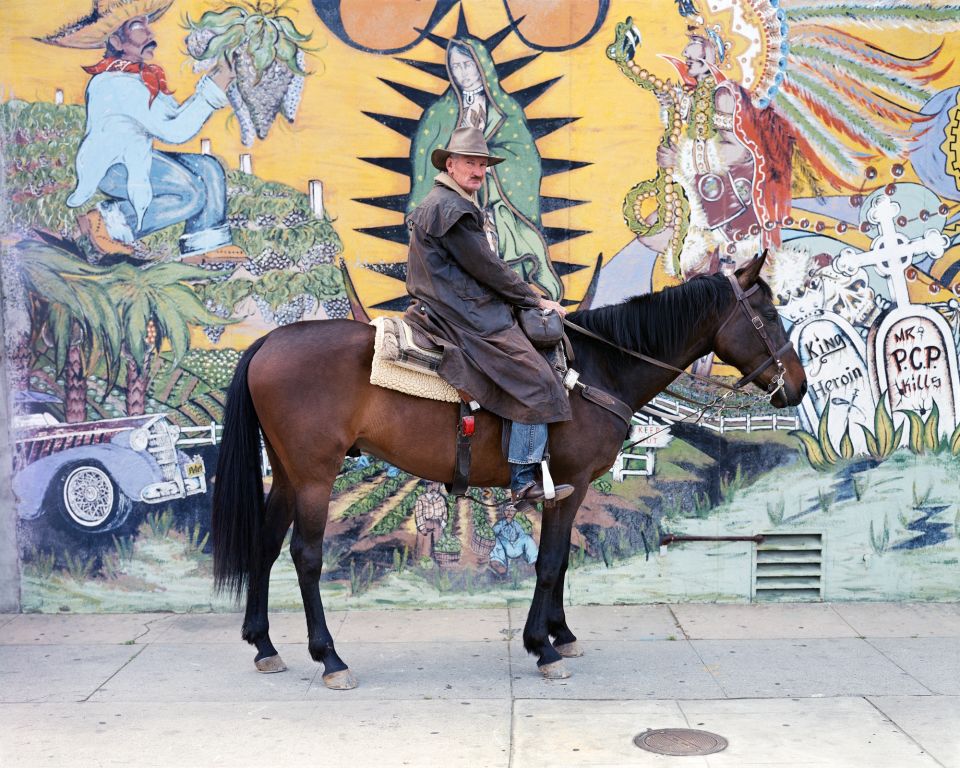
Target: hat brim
x=439 y=158
x=93 y=32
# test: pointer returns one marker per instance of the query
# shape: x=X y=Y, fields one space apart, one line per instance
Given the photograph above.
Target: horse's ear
x=748 y=275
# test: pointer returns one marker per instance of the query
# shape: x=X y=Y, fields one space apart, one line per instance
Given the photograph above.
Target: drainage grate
x=788 y=567
x=681 y=742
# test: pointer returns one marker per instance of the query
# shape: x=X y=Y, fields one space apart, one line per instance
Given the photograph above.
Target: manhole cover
x=680 y=742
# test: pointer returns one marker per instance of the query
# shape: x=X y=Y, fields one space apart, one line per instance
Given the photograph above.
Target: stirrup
x=533 y=493
x=549 y=489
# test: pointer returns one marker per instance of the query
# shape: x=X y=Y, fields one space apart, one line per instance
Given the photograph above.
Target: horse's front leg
x=564 y=640
x=543 y=616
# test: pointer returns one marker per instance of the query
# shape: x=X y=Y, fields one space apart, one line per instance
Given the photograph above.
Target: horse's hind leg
x=307 y=550
x=256 y=626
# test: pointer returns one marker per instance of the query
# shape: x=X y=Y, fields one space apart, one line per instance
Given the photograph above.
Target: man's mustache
x=151 y=44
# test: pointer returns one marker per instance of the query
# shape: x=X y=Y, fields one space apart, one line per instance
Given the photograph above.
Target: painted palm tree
x=155 y=304
x=71 y=314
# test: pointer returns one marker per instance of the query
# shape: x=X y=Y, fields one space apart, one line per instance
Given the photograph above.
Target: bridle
x=742 y=304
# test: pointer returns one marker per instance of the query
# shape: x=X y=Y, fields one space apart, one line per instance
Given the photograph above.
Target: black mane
x=660 y=324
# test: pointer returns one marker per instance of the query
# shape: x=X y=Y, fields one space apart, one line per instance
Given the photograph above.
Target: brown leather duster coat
x=465 y=296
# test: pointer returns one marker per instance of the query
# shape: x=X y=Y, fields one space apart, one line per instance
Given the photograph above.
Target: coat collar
x=446 y=180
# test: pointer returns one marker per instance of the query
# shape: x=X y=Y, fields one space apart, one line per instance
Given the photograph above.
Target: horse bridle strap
x=646 y=358
x=755 y=320
x=607 y=401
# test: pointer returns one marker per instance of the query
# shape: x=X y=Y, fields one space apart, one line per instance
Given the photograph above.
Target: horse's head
x=752 y=338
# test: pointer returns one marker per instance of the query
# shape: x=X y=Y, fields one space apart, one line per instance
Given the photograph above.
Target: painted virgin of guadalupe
x=510 y=197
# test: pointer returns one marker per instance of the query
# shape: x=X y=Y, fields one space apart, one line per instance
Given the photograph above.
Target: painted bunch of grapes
x=265 y=50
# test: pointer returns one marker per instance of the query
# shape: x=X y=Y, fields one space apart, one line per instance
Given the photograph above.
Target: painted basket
x=446 y=558
x=481 y=545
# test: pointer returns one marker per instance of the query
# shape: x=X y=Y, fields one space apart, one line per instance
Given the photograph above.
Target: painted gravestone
x=834 y=357
x=915 y=361
x=912 y=355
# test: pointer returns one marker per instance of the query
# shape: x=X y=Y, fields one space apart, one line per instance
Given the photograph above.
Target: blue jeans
x=186 y=187
x=527 y=443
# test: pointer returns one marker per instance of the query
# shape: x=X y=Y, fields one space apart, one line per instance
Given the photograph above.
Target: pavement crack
x=844 y=620
x=113 y=675
x=677 y=623
x=898 y=666
x=708 y=669
x=146 y=628
x=897 y=725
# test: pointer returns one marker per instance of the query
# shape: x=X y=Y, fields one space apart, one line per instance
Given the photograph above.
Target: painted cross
x=835 y=360
x=891 y=252
x=911 y=354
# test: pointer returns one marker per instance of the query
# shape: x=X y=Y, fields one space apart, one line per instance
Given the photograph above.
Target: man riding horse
x=465 y=294
x=465 y=297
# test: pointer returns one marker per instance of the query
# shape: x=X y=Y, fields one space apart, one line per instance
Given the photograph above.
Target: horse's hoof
x=555 y=670
x=270 y=664
x=569 y=650
x=343 y=680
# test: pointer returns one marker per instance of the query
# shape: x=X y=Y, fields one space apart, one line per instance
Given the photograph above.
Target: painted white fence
x=668 y=409
x=620 y=466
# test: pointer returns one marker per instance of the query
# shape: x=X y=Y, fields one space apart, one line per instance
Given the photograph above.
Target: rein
x=742 y=303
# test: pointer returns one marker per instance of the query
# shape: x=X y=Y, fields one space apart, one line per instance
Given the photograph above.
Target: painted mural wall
x=159 y=218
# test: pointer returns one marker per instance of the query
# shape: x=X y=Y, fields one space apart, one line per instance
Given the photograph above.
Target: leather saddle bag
x=544 y=329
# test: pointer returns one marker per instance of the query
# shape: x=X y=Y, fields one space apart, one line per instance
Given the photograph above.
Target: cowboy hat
x=463 y=141
x=107 y=17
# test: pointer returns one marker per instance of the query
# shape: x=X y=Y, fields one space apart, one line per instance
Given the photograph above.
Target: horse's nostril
x=803 y=389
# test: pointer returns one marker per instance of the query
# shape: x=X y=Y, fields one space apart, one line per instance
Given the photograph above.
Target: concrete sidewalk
x=850 y=684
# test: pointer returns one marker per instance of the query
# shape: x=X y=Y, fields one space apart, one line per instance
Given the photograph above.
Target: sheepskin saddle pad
x=400 y=364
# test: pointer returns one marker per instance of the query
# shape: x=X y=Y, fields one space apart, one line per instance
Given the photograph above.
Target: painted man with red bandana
x=128 y=106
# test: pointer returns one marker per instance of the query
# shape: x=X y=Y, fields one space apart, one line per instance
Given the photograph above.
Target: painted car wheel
x=89 y=500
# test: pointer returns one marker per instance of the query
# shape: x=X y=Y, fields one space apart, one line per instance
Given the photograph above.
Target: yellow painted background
x=617 y=132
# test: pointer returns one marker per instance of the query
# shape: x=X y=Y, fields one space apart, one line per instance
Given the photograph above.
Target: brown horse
x=306 y=386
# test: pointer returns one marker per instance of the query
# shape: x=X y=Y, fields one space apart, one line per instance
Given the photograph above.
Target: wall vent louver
x=788 y=566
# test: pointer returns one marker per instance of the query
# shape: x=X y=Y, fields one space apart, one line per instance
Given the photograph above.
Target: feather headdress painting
x=847 y=101
x=776 y=99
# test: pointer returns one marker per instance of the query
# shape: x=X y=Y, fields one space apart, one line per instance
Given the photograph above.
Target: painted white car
x=90 y=476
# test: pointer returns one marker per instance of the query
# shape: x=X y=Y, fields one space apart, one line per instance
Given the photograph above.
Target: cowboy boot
x=526 y=491
x=94 y=227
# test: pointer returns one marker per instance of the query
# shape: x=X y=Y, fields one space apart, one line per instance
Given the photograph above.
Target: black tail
x=238 y=504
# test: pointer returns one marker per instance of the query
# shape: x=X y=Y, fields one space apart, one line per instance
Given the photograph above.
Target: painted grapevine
x=265 y=50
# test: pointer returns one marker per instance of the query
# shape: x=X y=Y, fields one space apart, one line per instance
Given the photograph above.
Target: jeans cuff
x=195 y=243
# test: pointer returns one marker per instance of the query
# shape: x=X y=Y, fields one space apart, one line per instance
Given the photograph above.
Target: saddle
x=405 y=360
x=406 y=364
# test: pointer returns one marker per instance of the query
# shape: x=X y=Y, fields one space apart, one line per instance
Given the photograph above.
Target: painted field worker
x=430 y=514
x=465 y=297
x=510 y=194
x=128 y=106
x=512 y=541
